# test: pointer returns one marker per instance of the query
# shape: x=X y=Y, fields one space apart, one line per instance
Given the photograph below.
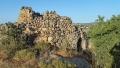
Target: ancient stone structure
x=50 y=27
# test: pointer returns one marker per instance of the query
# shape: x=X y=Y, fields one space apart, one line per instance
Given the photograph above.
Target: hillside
x=45 y=40
x=49 y=40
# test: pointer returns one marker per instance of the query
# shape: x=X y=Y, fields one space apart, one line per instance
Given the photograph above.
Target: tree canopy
x=105 y=37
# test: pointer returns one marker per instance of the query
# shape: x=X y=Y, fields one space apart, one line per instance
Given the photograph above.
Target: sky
x=80 y=11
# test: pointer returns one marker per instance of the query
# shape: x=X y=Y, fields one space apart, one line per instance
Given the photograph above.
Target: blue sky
x=82 y=11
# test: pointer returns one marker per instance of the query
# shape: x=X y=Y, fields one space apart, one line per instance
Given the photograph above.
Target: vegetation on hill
x=16 y=51
x=105 y=36
x=11 y=40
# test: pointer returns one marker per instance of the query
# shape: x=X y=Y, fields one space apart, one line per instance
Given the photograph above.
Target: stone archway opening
x=79 y=43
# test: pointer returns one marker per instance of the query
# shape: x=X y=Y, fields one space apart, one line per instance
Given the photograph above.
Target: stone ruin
x=50 y=27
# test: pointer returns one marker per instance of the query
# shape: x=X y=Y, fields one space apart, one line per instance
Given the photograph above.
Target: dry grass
x=15 y=64
x=90 y=45
x=46 y=54
x=3 y=54
x=64 y=53
x=86 y=30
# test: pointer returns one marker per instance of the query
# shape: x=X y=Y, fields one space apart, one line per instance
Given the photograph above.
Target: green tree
x=100 y=19
x=105 y=35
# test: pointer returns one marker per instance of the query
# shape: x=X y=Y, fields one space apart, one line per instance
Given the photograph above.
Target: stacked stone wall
x=50 y=27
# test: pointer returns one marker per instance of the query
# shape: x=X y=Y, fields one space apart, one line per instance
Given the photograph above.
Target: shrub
x=56 y=63
x=43 y=46
x=64 y=44
x=24 y=55
x=8 y=44
x=62 y=64
x=12 y=39
x=43 y=64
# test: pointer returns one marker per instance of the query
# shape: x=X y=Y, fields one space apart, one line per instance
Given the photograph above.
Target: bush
x=42 y=46
x=8 y=44
x=12 y=39
x=60 y=64
x=43 y=64
x=56 y=63
x=24 y=55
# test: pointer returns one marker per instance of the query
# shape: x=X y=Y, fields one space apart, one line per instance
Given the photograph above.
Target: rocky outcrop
x=49 y=27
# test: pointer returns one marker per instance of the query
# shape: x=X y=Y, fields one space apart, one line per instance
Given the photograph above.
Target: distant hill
x=84 y=25
x=88 y=24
